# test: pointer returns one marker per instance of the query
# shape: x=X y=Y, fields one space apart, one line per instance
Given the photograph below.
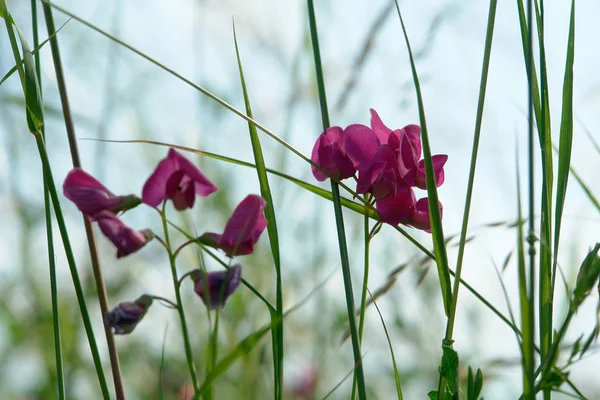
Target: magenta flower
x=126 y=240
x=328 y=154
x=420 y=218
x=412 y=169
x=125 y=316
x=242 y=230
x=396 y=208
x=214 y=288
x=91 y=197
x=177 y=179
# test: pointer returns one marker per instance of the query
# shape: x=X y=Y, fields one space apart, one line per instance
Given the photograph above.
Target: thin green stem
x=474 y=152
x=60 y=382
x=337 y=206
x=72 y=266
x=363 y=301
x=186 y=336
x=91 y=238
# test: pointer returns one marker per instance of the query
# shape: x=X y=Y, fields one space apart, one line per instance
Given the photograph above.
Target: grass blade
x=265 y=191
x=337 y=206
x=437 y=232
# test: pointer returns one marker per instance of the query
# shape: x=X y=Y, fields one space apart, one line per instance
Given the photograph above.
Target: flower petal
x=244 y=227
x=380 y=129
x=438 y=161
x=361 y=144
x=396 y=208
x=420 y=219
x=154 y=191
x=203 y=186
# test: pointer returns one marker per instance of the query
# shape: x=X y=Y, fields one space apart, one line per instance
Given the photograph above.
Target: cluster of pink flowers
x=385 y=163
x=177 y=179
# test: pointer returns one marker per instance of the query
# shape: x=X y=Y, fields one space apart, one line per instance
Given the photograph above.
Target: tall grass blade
x=60 y=382
x=265 y=191
x=437 y=232
x=566 y=137
x=337 y=206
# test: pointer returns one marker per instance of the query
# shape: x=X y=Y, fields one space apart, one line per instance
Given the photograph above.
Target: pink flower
x=125 y=316
x=398 y=207
x=242 y=230
x=420 y=218
x=91 y=197
x=176 y=178
x=328 y=154
x=214 y=288
x=126 y=240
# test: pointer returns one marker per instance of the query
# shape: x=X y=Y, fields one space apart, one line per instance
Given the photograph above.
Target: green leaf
x=33 y=98
x=474 y=384
x=449 y=368
x=433 y=395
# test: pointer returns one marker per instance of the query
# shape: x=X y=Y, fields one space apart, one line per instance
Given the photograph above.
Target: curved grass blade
x=265 y=191
x=389 y=341
x=437 y=232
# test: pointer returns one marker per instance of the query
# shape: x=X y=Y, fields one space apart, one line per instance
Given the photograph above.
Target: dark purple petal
x=91 y=197
x=244 y=227
x=329 y=156
x=361 y=144
x=125 y=239
x=396 y=208
x=125 y=316
x=173 y=179
x=154 y=191
x=438 y=161
x=220 y=285
x=202 y=185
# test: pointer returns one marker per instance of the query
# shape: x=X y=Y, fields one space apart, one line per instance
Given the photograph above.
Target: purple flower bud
x=126 y=240
x=242 y=230
x=215 y=287
x=125 y=316
x=91 y=197
x=177 y=179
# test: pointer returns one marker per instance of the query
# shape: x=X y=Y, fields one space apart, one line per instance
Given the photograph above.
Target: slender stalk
x=72 y=266
x=531 y=176
x=91 y=239
x=337 y=206
x=186 y=336
x=363 y=301
x=60 y=382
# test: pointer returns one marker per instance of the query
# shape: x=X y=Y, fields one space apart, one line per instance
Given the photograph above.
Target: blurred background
x=117 y=95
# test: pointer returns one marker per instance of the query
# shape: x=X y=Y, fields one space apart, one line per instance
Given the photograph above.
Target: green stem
x=365 y=283
x=186 y=336
x=91 y=238
x=337 y=206
x=60 y=381
x=72 y=266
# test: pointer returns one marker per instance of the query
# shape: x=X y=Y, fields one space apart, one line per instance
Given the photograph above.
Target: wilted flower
x=242 y=230
x=214 y=288
x=126 y=240
x=176 y=178
x=91 y=197
x=328 y=154
x=125 y=316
